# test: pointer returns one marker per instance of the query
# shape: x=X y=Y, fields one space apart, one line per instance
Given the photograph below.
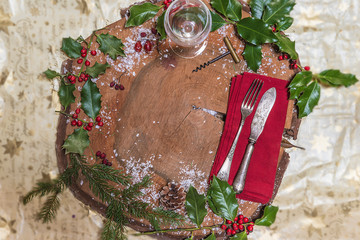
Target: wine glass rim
x=167 y=13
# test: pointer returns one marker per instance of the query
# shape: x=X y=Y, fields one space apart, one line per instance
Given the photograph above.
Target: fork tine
x=249 y=93
x=257 y=93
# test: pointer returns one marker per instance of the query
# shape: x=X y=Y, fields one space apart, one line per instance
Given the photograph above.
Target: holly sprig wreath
x=268 y=20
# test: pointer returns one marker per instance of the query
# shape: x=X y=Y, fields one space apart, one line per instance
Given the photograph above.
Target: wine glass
x=187 y=24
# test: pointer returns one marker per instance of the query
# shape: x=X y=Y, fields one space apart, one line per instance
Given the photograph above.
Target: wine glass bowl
x=187 y=24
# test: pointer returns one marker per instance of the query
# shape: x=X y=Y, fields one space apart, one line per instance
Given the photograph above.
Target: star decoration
x=12 y=147
x=5 y=21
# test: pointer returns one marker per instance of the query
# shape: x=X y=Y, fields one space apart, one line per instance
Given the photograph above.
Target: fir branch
x=134 y=190
x=49 y=209
x=113 y=231
x=111 y=174
x=41 y=189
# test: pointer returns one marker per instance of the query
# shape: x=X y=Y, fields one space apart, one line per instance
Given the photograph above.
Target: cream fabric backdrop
x=319 y=197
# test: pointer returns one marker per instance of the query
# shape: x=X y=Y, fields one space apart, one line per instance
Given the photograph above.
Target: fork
x=247 y=106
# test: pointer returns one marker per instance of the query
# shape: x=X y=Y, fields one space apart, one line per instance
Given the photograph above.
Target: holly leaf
x=257 y=8
x=71 y=47
x=286 y=45
x=255 y=31
x=308 y=99
x=220 y=5
x=109 y=44
x=91 y=99
x=77 y=142
x=66 y=94
x=233 y=10
x=337 y=78
x=276 y=10
x=252 y=55
x=268 y=217
x=217 y=21
x=97 y=69
x=211 y=237
x=160 y=26
x=222 y=200
x=141 y=13
x=50 y=74
x=195 y=206
x=240 y=236
x=284 y=24
x=299 y=83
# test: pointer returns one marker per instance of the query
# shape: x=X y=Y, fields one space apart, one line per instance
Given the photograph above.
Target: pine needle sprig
x=49 y=209
x=134 y=190
x=111 y=174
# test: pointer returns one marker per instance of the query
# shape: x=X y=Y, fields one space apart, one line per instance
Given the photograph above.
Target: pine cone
x=172 y=196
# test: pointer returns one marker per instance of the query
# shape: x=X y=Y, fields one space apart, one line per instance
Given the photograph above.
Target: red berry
x=121 y=87
x=138 y=46
x=281 y=57
x=103 y=156
x=79 y=61
x=98 y=153
x=77 y=111
x=274 y=29
x=250 y=228
x=93 y=52
x=228 y=221
x=143 y=34
x=82 y=75
x=90 y=124
x=98 y=119
x=166 y=2
x=86 y=78
x=235 y=219
x=83 y=51
x=241 y=227
x=112 y=84
x=235 y=226
x=241 y=216
x=109 y=164
x=240 y=221
x=87 y=75
x=88 y=128
x=233 y=232
x=73 y=78
x=73 y=122
x=246 y=220
x=223 y=226
x=295 y=66
x=169 y=1
x=147 y=46
x=307 y=68
x=286 y=56
x=117 y=87
x=228 y=231
x=104 y=161
x=252 y=223
x=87 y=63
x=75 y=116
x=153 y=30
x=80 y=79
x=79 y=123
x=166 y=7
x=83 y=55
x=100 y=124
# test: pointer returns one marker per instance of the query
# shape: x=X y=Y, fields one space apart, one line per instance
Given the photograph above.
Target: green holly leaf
x=284 y=24
x=195 y=206
x=229 y=8
x=276 y=10
x=141 y=13
x=299 y=83
x=255 y=31
x=211 y=237
x=66 y=94
x=222 y=199
x=71 y=47
x=91 y=99
x=217 y=21
x=257 y=7
x=77 y=142
x=50 y=74
x=252 y=55
x=286 y=45
x=109 y=44
x=220 y=5
x=337 y=78
x=160 y=26
x=308 y=99
x=268 y=217
x=97 y=69
x=239 y=236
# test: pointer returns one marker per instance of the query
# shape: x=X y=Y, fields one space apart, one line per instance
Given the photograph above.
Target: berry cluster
x=293 y=62
x=167 y=3
x=88 y=125
x=117 y=86
x=102 y=156
x=83 y=77
x=143 y=42
x=239 y=224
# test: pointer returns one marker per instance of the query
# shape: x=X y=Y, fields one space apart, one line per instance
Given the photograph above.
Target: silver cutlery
x=261 y=114
x=247 y=107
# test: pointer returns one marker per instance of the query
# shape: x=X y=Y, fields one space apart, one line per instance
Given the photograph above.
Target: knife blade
x=262 y=112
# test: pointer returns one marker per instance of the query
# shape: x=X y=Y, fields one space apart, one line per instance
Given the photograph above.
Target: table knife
x=257 y=125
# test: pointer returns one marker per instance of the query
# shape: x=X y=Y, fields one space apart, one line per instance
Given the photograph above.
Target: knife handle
x=239 y=181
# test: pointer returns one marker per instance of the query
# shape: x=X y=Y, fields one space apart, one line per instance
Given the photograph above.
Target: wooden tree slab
x=152 y=128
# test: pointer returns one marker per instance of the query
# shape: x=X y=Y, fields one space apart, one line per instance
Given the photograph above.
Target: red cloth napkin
x=259 y=183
